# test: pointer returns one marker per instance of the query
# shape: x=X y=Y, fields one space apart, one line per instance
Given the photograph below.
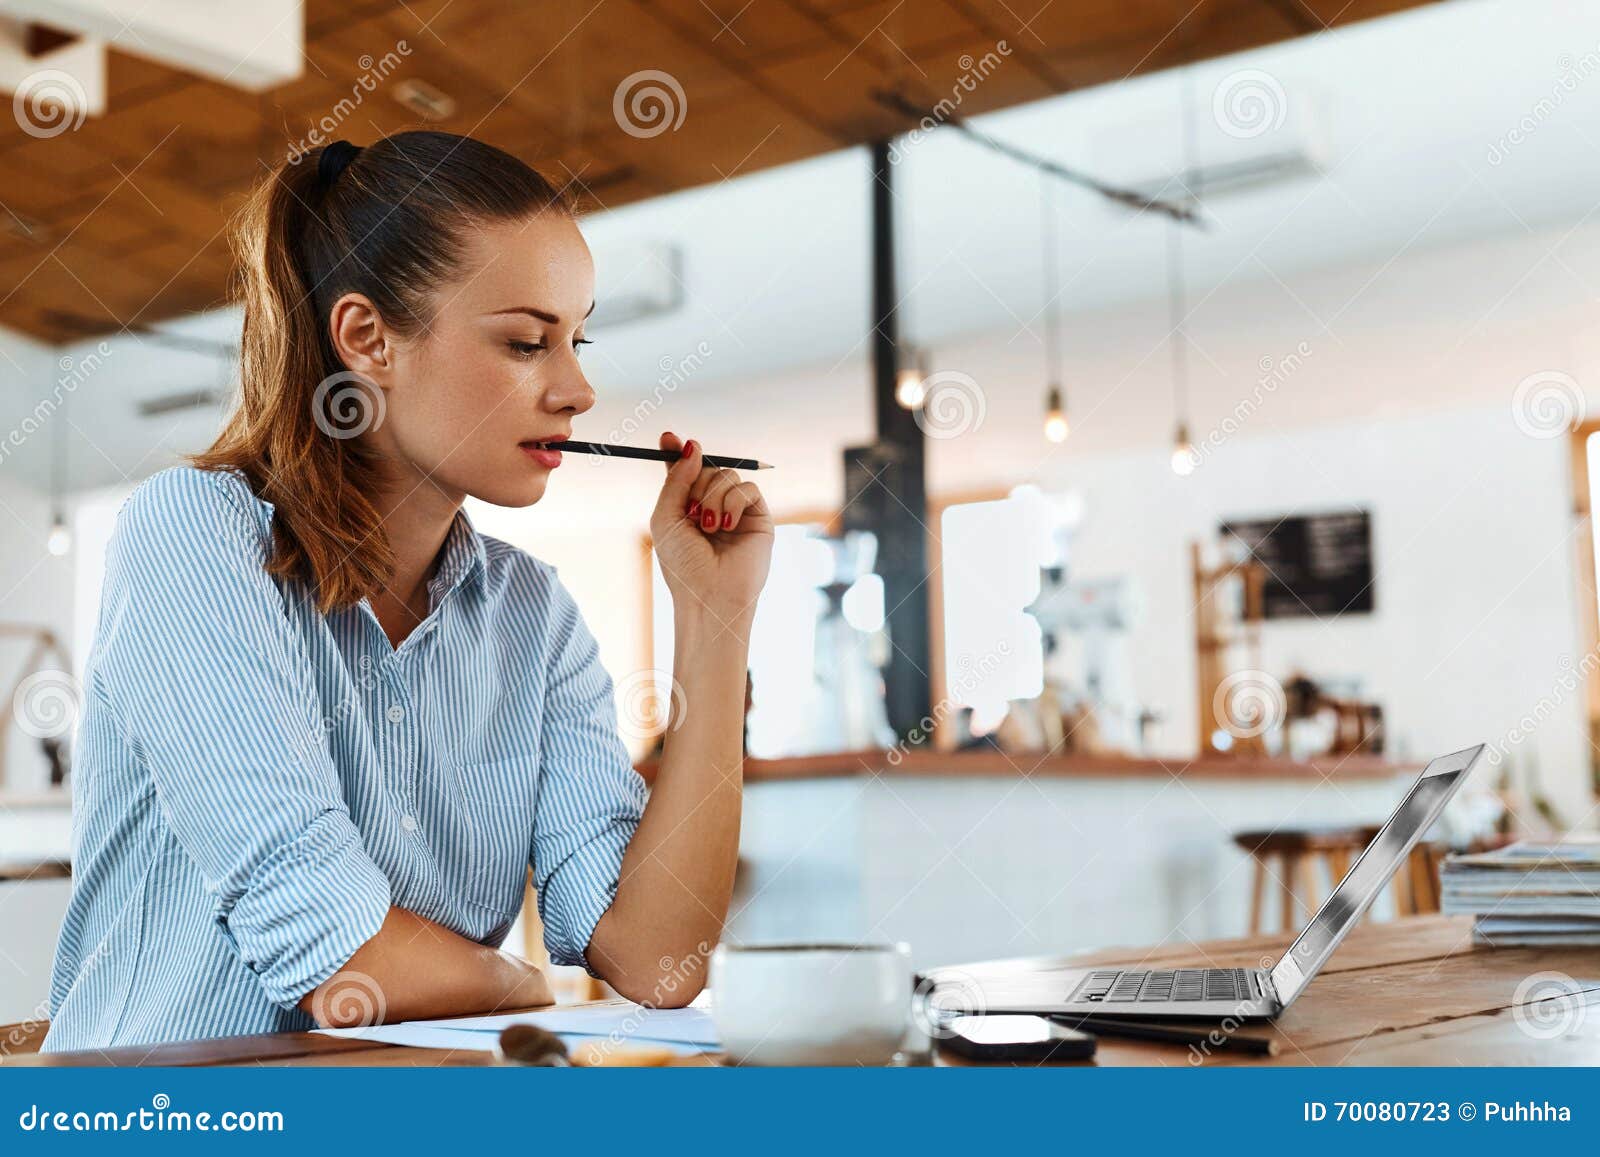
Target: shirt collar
x=461 y=558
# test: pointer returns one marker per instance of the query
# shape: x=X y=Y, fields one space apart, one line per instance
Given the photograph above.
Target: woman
x=327 y=725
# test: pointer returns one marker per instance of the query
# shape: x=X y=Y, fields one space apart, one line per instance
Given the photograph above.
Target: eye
x=525 y=349
x=578 y=343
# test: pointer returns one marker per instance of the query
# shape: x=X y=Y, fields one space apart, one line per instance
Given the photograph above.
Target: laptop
x=1134 y=992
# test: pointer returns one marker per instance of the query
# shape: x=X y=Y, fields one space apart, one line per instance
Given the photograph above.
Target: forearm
x=415 y=969
x=677 y=874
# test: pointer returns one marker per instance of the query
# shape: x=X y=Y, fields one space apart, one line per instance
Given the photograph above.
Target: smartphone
x=1014 y=1038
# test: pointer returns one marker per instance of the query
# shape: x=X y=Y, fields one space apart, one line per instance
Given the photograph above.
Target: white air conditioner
x=249 y=44
x=637 y=281
x=1251 y=132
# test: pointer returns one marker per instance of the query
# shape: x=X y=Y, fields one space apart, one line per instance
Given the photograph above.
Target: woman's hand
x=713 y=536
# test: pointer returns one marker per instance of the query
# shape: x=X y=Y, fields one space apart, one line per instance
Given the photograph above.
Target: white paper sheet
x=684 y=1030
x=631 y=1021
x=463 y=1040
x=471 y=1040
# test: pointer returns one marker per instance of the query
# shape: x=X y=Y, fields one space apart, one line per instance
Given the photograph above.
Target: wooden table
x=990 y=764
x=1407 y=992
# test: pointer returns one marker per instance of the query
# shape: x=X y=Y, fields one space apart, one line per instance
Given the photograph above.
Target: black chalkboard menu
x=1317 y=564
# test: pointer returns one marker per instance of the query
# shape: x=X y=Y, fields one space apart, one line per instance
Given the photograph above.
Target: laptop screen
x=1372 y=870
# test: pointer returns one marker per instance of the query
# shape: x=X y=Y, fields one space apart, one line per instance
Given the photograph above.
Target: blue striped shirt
x=257 y=783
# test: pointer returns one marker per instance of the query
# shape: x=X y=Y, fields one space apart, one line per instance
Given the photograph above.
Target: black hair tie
x=336 y=157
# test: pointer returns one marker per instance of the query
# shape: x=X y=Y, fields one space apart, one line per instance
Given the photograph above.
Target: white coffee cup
x=811 y=1004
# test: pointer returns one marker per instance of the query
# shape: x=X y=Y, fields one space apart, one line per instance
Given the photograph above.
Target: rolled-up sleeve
x=590 y=797
x=199 y=663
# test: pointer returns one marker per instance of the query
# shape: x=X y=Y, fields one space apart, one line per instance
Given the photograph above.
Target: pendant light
x=59 y=541
x=910 y=382
x=1056 y=426
x=911 y=378
x=1184 y=459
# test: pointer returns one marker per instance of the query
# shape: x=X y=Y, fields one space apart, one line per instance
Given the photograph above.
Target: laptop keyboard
x=1126 y=986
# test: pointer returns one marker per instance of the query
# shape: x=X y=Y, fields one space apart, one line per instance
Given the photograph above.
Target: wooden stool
x=1334 y=847
x=17 y=871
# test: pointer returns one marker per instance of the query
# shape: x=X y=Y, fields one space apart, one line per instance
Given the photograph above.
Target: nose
x=570 y=392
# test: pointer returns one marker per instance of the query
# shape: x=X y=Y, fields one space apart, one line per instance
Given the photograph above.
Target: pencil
x=1170 y=1033
x=652 y=455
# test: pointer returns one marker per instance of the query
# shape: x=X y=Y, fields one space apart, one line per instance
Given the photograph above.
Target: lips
x=546 y=458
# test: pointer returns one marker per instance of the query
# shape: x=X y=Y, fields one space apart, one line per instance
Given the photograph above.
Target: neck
x=417 y=519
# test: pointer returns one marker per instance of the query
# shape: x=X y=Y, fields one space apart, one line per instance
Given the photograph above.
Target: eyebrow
x=541 y=314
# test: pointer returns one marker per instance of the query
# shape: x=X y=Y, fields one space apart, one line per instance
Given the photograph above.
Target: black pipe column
x=885 y=484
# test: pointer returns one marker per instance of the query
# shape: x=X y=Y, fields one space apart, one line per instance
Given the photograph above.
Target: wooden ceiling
x=123 y=219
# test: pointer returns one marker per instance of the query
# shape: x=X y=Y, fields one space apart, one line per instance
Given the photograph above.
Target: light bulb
x=60 y=540
x=1056 y=426
x=1184 y=459
x=909 y=389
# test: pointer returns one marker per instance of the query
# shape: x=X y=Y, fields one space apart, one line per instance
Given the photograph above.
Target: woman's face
x=496 y=369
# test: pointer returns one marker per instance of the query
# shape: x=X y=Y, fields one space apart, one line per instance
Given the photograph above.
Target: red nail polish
x=688 y=449
x=727 y=521
x=710 y=520
x=694 y=510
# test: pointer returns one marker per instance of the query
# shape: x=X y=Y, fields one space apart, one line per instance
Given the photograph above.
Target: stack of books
x=1535 y=893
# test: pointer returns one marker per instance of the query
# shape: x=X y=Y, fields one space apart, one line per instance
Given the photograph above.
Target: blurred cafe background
x=1179 y=412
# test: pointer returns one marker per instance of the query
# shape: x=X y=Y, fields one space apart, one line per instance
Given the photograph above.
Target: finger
x=757 y=517
x=680 y=477
x=735 y=502
x=670 y=441
x=700 y=489
x=717 y=482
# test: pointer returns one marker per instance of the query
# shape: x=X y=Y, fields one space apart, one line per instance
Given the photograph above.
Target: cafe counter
x=977 y=855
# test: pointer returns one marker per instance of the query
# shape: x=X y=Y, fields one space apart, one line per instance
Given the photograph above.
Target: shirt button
x=409 y=823
x=396 y=713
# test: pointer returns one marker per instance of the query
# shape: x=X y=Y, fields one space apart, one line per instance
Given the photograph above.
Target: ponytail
x=383 y=221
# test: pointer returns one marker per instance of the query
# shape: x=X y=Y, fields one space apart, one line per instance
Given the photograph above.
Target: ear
x=360 y=338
